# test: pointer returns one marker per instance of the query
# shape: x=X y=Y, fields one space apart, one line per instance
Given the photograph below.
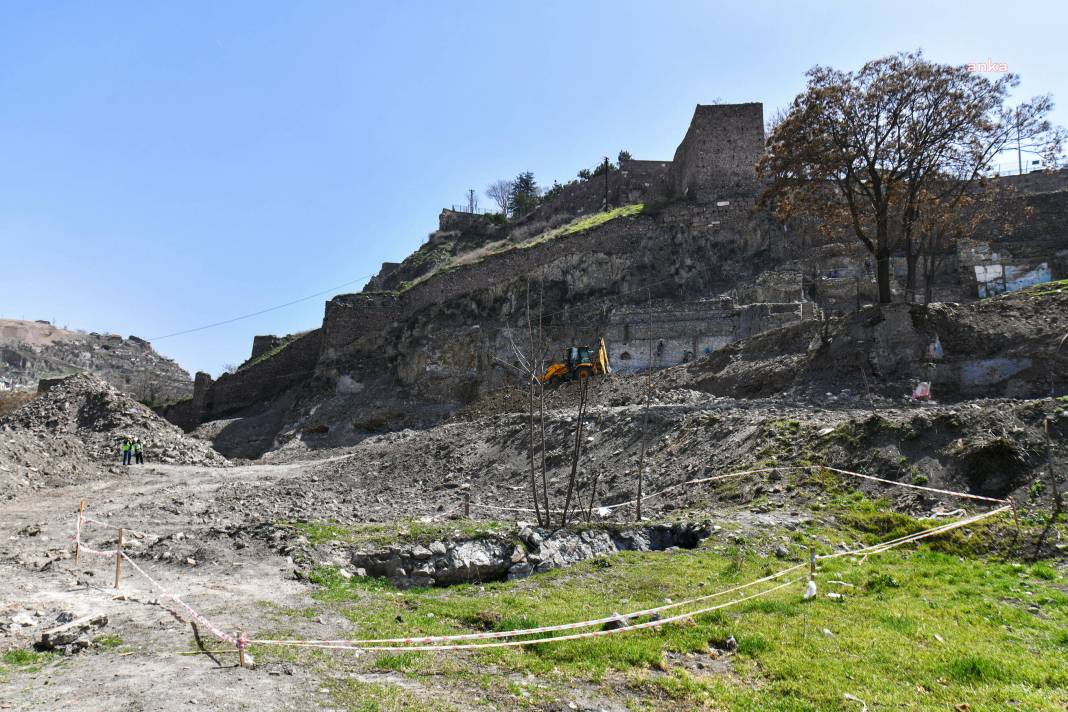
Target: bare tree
x=576 y=455
x=500 y=192
x=472 y=201
x=529 y=367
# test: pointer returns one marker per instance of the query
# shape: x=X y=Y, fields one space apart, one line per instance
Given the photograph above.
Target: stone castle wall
x=717 y=158
x=648 y=283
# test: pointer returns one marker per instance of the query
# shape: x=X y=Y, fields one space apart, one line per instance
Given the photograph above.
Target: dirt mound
x=74 y=429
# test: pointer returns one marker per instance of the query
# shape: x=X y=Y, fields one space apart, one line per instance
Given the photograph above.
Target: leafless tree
x=472 y=201
x=530 y=365
x=499 y=191
x=576 y=454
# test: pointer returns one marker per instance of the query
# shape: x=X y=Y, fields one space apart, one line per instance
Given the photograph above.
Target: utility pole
x=1019 y=151
x=606 y=164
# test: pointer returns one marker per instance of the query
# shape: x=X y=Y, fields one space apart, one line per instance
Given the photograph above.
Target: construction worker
x=138 y=448
x=127 y=450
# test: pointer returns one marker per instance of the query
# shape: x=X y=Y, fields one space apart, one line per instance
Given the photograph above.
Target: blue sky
x=166 y=165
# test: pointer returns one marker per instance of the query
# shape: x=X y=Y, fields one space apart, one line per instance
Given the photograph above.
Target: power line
x=263 y=311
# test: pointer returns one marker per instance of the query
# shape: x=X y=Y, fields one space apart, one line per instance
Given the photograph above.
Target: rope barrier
x=459 y=641
x=164 y=593
x=556 y=639
x=918 y=487
x=240 y=642
x=548 y=628
x=374 y=644
x=761 y=470
x=941 y=529
x=112 y=526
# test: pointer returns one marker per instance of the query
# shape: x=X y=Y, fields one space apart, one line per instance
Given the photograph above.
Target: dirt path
x=145 y=671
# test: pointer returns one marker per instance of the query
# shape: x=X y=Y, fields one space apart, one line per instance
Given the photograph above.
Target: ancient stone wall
x=259 y=383
x=264 y=343
x=717 y=158
x=649 y=283
x=355 y=320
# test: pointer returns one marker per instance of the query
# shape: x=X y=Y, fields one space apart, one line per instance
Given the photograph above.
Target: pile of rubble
x=74 y=429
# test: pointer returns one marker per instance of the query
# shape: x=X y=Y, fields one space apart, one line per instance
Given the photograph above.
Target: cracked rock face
x=526 y=551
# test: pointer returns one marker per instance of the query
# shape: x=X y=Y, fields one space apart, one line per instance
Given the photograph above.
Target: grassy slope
x=925 y=628
x=576 y=226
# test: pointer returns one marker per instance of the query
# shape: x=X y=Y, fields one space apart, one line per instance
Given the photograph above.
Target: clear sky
x=165 y=165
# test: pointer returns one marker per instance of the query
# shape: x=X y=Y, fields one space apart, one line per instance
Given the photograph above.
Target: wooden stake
x=1058 y=505
x=241 y=650
x=78 y=541
x=467 y=504
x=811 y=563
x=1016 y=518
x=118 y=558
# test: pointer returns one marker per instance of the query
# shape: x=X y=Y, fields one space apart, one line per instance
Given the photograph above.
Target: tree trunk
x=911 y=261
x=533 y=480
x=882 y=277
x=577 y=455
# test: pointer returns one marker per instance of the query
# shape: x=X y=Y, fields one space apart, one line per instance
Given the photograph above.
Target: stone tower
x=717 y=158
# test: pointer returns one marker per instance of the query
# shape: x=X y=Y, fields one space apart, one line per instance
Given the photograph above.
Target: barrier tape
x=424 y=643
x=918 y=487
x=941 y=529
x=547 y=628
x=96 y=552
x=134 y=532
x=761 y=470
x=164 y=593
x=370 y=644
x=556 y=639
x=241 y=642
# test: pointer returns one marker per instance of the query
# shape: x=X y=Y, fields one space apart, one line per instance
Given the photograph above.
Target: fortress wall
x=718 y=156
x=352 y=320
x=260 y=383
x=443 y=338
x=262 y=344
x=1037 y=181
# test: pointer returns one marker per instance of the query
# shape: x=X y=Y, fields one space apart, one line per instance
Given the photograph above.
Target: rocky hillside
x=32 y=350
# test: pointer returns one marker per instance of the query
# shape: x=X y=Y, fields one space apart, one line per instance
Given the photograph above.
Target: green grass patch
x=923 y=627
x=585 y=223
x=25 y=660
x=402 y=532
x=1046 y=289
x=361 y=696
x=576 y=226
x=107 y=641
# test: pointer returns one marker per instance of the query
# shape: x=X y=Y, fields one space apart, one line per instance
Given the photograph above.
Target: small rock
x=70 y=633
x=24 y=619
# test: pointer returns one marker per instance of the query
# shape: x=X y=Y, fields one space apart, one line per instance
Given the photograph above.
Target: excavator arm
x=603 y=366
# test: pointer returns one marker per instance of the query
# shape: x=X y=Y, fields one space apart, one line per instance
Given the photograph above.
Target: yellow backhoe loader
x=579 y=362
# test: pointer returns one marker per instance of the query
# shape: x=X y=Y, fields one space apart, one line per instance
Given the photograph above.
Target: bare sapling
x=577 y=453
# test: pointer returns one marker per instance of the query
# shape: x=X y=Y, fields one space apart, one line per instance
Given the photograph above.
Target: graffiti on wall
x=998 y=279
